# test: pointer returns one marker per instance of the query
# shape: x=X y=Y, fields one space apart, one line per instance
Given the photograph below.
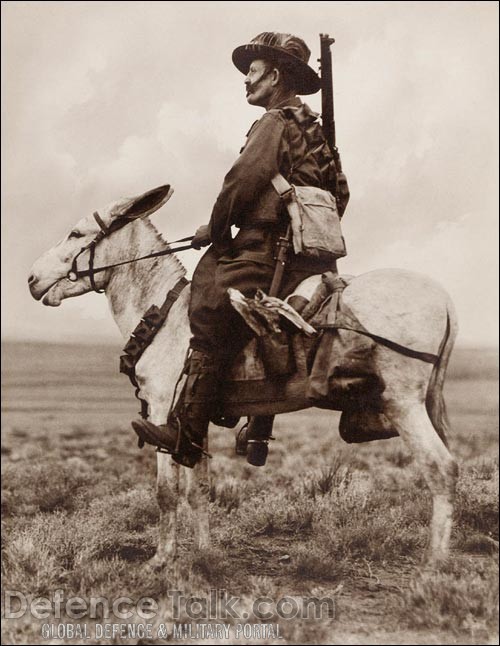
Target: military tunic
x=289 y=140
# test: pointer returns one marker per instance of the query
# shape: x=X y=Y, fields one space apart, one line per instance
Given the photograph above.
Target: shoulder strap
x=281 y=186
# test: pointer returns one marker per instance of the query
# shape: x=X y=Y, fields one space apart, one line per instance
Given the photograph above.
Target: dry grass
x=462 y=598
x=323 y=518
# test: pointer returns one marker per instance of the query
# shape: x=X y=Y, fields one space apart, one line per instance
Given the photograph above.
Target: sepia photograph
x=249 y=322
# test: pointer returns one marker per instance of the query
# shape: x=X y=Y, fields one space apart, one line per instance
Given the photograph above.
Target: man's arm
x=251 y=173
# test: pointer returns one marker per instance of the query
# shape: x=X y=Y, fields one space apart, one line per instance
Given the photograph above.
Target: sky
x=102 y=100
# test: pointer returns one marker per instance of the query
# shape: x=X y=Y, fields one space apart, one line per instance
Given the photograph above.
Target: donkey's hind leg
x=438 y=468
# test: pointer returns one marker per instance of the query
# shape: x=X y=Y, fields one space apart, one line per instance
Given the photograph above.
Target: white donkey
x=419 y=310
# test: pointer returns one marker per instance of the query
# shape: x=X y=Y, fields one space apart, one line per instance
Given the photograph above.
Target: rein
x=74 y=273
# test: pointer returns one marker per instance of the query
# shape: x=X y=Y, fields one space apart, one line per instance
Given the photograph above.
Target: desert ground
x=323 y=519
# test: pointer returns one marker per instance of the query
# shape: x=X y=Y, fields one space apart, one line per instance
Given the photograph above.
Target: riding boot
x=197 y=406
x=186 y=429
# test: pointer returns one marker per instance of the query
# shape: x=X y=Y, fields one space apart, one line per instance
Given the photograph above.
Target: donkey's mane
x=170 y=259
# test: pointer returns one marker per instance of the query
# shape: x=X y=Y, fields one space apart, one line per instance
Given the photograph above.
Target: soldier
x=287 y=139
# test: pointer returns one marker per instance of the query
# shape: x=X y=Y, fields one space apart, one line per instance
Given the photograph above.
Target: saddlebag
x=342 y=368
x=276 y=354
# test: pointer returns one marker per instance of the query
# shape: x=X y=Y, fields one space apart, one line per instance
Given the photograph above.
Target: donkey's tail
x=434 y=401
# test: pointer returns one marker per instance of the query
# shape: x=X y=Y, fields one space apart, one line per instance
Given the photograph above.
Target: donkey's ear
x=148 y=203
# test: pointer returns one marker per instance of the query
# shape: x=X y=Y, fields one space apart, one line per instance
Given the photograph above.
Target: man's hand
x=201 y=237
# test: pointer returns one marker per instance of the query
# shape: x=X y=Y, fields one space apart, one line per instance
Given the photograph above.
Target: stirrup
x=180 y=448
x=255 y=450
x=241 y=442
x=149 y=433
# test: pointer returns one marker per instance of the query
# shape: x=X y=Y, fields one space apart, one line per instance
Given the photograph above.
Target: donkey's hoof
x=157 y=563
x=434 y=560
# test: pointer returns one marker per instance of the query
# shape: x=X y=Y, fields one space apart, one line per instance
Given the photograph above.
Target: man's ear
x=275 y=75
x=148 y=203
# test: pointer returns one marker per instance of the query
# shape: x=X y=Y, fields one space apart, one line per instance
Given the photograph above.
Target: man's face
x=259 y=84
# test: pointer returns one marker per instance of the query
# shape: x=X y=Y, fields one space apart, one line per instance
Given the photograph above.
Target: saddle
x=308 y=351
x=318 y=348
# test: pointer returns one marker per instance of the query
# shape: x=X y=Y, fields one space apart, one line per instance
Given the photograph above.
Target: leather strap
x=287 y=194
x=91 y=268
x=172 y=296
x=101 y=224
x=340 y=317
x=414 y=354
x=282 y=186
x=81 y=273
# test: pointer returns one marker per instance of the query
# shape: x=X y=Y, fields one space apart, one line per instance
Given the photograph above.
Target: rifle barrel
x=327 y=107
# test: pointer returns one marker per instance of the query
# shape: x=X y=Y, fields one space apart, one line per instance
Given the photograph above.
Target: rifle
x=328 y=120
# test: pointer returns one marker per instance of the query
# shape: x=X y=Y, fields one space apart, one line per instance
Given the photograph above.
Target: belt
x=260 y=225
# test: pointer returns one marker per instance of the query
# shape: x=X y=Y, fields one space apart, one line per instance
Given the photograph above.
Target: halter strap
x=91 y=268
x=101 y=224
x=74 y=274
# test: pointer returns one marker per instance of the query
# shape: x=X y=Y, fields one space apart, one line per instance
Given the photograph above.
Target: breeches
x=216 y=327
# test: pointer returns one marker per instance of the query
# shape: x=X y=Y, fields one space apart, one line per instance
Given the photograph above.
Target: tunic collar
x=294 y=102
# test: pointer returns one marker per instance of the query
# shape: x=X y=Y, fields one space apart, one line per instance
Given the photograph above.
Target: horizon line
x=466 y=345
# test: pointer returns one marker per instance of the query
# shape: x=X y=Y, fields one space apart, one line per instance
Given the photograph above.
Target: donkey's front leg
x=198 y=488
x=167 y=490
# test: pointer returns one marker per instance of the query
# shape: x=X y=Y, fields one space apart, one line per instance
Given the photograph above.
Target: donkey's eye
x=75 y=234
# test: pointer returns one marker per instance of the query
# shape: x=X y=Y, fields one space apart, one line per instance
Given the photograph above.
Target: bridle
x=74 y=273
x=152 y=321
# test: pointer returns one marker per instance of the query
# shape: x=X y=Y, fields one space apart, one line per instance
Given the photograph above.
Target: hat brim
x=307 y=81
